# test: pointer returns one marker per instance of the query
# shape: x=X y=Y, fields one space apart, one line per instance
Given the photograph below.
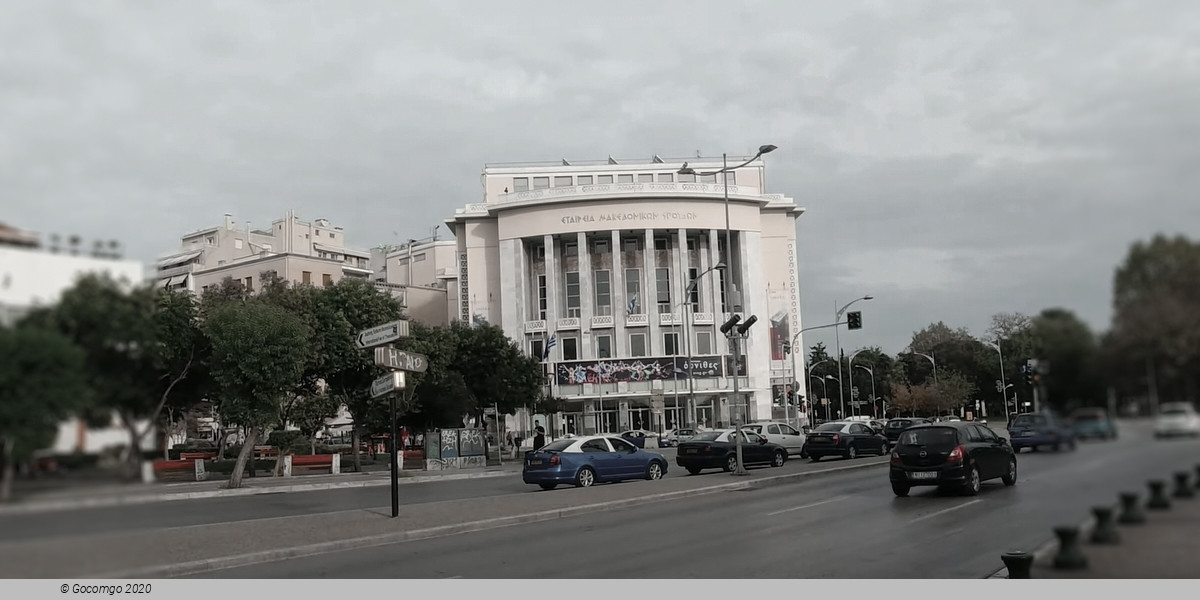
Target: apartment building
x=591 y=267
x=422 y=272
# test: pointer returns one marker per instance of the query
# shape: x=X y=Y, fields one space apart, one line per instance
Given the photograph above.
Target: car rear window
x=898 y=424
x=930 y=436
x=558 y=445
x=830 y=426
x=1174 y=412
x=1029 y=421
x=707 y=436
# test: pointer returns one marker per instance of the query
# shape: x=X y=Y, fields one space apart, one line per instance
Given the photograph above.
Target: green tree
x=1068 y=350
x=259 y=352
x=42 y=382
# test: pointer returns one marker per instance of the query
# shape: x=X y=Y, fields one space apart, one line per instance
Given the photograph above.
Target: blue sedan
x=584 y=461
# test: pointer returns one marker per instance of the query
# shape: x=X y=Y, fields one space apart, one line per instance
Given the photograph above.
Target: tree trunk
x=354 y=441
x=9 y=463
x=278 y=470
x=312 y=444
x=133 y=462
x=235 y=478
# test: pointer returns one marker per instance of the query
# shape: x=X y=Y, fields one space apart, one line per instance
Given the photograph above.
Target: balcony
x=641 y=320
x=704 y=318
x=669 y=319
x=531 y=326
x=602 y=322
x=567 y=323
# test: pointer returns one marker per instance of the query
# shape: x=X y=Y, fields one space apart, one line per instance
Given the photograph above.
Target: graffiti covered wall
x=642 y=369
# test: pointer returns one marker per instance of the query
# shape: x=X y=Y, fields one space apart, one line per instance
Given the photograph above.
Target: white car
x=780 y=433
x=671 y=437
x=1177 y=418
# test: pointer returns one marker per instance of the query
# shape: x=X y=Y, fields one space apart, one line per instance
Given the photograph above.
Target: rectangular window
x=645 y=177
x=666 y=177
x=710 y=178
x=631 y=244
x=704 y=343
x=306 y=277
x=419 y=257
x=633 y=286
x=603 y=284
x=539 y=251
x=687 y=178
x=326 y=279
x=600 y=247
x=536 y=348
x=541 y=183
x=671 y=344
x=625 y=178
x=721 y=289
x=249 y=283
x=603 y=346
x=541 y=296
x=570 y=348
x=692 y=243
x=237 y=243
x=520 y=184
x=571 y=249
x=731 y=177
x=662 y=243
x=603 y=179
x=662 y=279
x=694 y=296
x=585 y=180
x=563 y=181
x=637 y=344
x=212 y=241
x=572 y=293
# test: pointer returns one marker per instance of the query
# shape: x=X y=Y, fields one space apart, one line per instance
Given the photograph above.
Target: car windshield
x=684 y=432
x=707 y=436
x=930 y=436
x=1028 y=421
x=897 y=424
x=830 y=426
x=754 y=428
x=557 y=446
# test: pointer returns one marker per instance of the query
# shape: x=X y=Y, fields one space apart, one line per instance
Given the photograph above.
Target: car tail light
x=836 y=438
x=708 y=448
x=957 y=454
x=555 y=460
x=896 y=458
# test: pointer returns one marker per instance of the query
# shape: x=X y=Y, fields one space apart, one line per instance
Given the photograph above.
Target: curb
x=61 y=505
x=253 y=558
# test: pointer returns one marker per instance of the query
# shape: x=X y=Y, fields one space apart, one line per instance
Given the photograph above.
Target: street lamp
x=873 y=396
x=809 y=374
x=850 y=367
x=838 y=342
x=842 y=410
x=935 y=380
x=1003 y=386
x=824 y=389
x=735 y=329
x=687 y=339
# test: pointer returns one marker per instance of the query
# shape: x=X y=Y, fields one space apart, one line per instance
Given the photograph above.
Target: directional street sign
x=383 y=334
x=399 y=359
x=392 y=382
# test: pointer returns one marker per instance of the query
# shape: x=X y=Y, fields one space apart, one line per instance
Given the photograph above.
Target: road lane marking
x=944 y=511
x=780 y=512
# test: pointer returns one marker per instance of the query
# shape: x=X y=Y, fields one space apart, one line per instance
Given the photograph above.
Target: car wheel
x=586 y=477
x=1010 y=477
x=548 y=486
x=777 y=460
x=730 y=463
x=814 y=458
x=900 y=490
x=852 y=453
x=693 y=470
x=654 y=471
x=973 y=483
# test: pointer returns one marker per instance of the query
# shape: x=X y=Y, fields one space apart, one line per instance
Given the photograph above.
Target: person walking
x=539 y=437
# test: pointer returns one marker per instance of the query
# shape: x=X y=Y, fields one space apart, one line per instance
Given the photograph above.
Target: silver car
x=673 y=437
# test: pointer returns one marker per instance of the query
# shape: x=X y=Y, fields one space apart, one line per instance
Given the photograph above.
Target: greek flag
x=633 y=304
x=546 y=353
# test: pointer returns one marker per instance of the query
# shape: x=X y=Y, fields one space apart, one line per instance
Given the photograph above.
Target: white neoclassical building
x=589 y=264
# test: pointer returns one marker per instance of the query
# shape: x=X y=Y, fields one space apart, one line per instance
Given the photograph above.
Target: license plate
x=535 y=462
x=689 y=450
x=923 y=475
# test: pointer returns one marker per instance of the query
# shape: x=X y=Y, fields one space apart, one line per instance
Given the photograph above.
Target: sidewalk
x=183 y=551
x=93 y=496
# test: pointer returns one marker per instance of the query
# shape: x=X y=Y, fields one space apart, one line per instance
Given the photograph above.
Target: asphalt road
x=841 y=526
x=207 y=511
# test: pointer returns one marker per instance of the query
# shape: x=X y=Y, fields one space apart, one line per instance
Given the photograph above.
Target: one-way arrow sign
x=383 y=334
x=399 y=359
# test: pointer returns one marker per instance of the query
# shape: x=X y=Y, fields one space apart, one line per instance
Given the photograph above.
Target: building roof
x=11 y=236
x=341 y=250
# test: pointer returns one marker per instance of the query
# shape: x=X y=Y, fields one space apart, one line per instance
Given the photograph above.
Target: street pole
x=838 y=348
x=935 y=380
x=824 y=390
x=812 y=407
x=850 y=366
x=873 y=396
x=1003 y=384
x=395 y=457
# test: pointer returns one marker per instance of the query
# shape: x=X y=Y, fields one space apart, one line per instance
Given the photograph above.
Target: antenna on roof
x=611 y=160
x=657 y=159
x=565 y=163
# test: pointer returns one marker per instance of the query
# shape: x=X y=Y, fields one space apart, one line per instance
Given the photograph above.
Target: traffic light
x=1029 y=374
x=854 y=320
x=741 y=329
x=733 y=320
x=787 y=348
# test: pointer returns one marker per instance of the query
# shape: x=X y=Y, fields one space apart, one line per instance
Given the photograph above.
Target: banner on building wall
x=781 y=331
x=578 y=372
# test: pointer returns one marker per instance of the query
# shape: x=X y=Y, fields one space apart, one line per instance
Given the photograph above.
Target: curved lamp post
x=687 y=339
x=838 y=342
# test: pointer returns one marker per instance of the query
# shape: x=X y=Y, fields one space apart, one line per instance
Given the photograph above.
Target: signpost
x=392 y=384
x=383 y=334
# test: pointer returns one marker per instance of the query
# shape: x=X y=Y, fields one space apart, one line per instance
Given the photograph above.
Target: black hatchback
x=951 y=454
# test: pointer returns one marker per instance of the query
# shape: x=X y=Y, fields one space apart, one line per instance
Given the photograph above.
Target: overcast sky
x=954 y=160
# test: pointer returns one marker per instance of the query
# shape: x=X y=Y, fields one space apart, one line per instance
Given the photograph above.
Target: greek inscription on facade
x=630 y=216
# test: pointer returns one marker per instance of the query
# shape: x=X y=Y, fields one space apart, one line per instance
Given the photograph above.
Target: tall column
x=553 y=283
x=620 y=303
x=713 y=285
x=586 y=298
x=650 y=294
x=515 y=288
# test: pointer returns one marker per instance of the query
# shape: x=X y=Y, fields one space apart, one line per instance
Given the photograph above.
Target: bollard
x=1158 y=495
x=1019 y=564
x=1105 y=531
x=1070 y=556
x=1131 y=510
x=1183 y=488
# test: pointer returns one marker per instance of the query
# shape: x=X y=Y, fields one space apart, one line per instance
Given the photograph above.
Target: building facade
x=589 y=267
x=305 y=252
x=425 y=272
